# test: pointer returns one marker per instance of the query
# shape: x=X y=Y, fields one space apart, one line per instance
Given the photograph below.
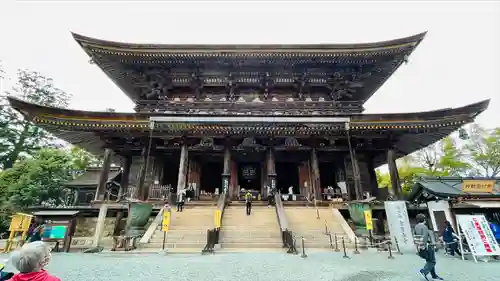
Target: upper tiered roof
x=337 y=72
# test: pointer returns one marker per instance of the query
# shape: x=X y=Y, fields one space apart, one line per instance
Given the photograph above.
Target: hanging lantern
x=462 y=134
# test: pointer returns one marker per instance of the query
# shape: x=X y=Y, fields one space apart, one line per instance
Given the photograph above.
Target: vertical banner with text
x=399 y=225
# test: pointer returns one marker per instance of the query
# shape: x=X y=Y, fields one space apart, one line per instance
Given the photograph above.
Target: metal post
x=164 y=238
x=336 y=244
x=303 y=249
x=326 y=228
x=397 y=246
x=345 y=251
x=390 y=251
x=331 y=241
x=317 y=213
x=356 y=251
x=370 y=236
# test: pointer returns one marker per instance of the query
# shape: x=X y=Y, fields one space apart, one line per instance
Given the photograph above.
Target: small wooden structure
x=59 y=227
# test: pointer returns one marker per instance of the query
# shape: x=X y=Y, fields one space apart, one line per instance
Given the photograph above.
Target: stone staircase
x=187 y=231
x=259 y=230
x=303 y=222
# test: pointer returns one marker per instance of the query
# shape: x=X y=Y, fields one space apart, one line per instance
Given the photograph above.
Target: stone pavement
x=318 y=266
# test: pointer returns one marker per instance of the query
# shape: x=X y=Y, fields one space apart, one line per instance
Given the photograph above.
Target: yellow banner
x=20 y=222
x=478 y=186
x=217 y=218
x=165 y=221
x=368 y=219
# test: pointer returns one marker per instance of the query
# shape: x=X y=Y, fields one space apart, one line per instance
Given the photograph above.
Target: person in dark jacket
x=425 y=244
x=451 y=239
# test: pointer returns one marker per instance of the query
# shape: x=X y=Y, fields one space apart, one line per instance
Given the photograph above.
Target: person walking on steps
x=180 y=200
x=248 y=202
x=425 y=247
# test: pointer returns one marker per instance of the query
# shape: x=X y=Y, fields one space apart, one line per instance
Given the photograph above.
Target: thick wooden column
x=127 y=163
x=234 y=190
x=145 y=173
x=271 y=168
x=226 y=172
x=181 y=180
x=393 y=172
x=103 y=177
x=315 y=181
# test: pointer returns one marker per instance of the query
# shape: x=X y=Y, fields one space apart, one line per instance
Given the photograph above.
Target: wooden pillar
x=226 y=172
x=315 y=182
x=103 y=177
x=181 y=180
x=234 y=190
x=355 y=169
x=127 y=163
x=99 y=228
x=145 y=171
x=75 y=196
x=393 y=172
x=271 y=168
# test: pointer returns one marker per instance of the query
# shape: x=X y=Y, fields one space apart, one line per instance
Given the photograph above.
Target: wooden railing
x=156 y=192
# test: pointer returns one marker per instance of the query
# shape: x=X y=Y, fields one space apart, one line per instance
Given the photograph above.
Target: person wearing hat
x=31 y=260
x=425 y=246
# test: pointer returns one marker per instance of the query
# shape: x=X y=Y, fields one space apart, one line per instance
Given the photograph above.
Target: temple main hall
x=218 y=118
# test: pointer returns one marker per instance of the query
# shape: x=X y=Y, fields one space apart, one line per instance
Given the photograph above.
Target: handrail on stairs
x=213 y=234
x=287 y=236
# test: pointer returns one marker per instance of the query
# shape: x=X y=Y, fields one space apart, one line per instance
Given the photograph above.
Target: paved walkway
x=318 y=266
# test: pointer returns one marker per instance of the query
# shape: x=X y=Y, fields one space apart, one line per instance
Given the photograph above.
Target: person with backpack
x=248 y=202
x=426 y=250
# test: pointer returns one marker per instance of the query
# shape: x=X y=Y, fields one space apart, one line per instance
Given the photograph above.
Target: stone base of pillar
x=138 y=216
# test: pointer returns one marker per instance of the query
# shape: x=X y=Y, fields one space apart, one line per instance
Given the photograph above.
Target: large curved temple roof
x=95 y=130
x=136 y=67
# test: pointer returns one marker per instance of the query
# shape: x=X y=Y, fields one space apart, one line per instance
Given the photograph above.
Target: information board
x=478 y=234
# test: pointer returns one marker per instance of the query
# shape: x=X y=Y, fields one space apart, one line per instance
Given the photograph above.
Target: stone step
x=251 y=245
x=174 y=234
x=268 y=234
x=252 y=240
x=170 y=245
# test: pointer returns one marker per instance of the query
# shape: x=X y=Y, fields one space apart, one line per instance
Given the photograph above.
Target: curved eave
x=32 y=111
x=86 y=42
x=413 y=130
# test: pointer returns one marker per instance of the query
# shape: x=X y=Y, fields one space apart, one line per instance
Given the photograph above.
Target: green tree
x=483 y=147
x=36 y=180
x=82 y=159
x=19 y=136
x=444 y=158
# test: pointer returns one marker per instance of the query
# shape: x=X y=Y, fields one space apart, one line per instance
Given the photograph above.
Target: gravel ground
x=260 y=266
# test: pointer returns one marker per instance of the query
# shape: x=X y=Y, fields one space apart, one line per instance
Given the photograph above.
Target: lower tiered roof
x=92 y=131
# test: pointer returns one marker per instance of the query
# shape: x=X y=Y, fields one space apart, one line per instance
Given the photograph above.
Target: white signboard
x=478 y=234
x=399 y=225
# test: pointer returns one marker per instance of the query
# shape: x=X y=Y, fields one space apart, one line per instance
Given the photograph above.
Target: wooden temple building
x=232 y=117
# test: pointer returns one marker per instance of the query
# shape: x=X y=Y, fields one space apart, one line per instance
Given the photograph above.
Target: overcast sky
x=458 y=62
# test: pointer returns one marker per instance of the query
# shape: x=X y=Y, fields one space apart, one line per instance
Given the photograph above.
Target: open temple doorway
x=211 y=177
x=249 y=176
x=171 y=172
x=287 y=174
x=327 y=174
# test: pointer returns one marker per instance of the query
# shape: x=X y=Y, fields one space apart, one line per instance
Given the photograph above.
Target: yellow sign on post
x=20 y=222
x=368 y=219
x=217 y=218
x=165 y=221
x=478 y=186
